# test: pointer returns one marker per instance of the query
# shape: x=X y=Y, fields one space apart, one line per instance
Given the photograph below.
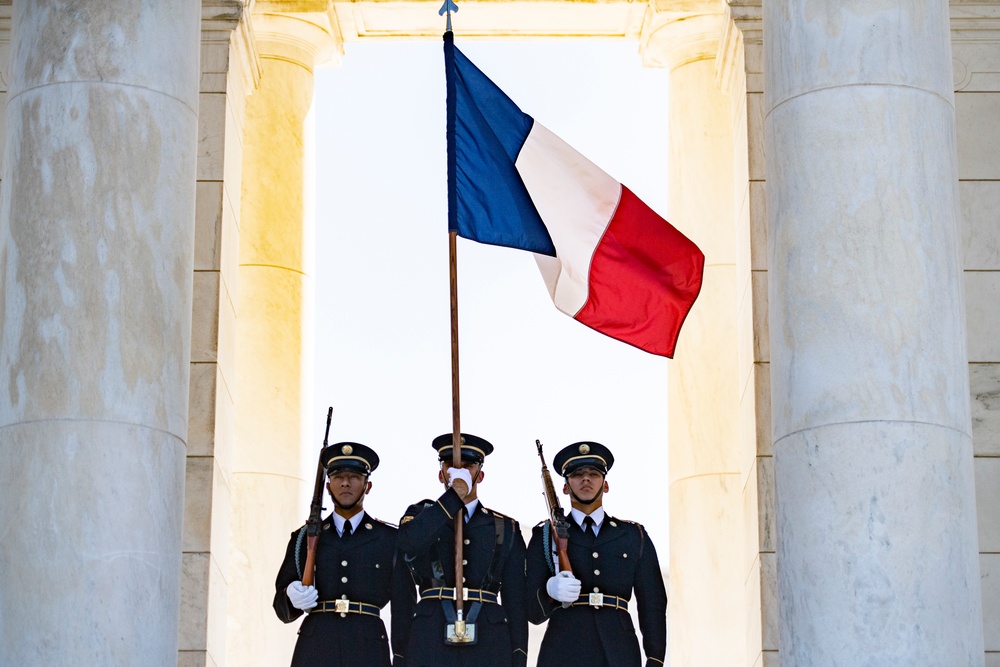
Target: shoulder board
x=501 y=515
x=628 y=522
x=380 y=521
x=415 y=509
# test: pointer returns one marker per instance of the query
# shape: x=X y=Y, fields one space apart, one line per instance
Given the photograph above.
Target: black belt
x=601 y=600
x=345 y=607
x=469 y=594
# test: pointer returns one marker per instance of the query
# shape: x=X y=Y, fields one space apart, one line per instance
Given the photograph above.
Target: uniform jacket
x=619 y=560
x=360 y=567
x=426 y=542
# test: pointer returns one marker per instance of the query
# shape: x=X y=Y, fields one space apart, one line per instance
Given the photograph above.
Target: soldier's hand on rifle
x=460 y=479
x=302 y=597
x=563 y=587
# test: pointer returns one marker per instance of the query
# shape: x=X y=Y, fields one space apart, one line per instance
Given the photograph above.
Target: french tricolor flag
x=608 y=260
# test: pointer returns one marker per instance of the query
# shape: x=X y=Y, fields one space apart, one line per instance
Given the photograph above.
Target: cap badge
x=347 y=450
x=584 y=449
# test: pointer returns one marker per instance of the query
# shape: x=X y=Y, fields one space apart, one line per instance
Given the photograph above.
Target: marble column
x=877 y=544
x=707 y=618
x=96 y=259
x=271 y=460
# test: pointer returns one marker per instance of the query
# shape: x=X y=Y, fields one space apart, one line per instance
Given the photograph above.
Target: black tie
x=347 y=530
x=588 y=525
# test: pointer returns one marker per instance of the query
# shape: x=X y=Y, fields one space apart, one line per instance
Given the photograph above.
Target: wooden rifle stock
x=316 y=512
x=559 y=526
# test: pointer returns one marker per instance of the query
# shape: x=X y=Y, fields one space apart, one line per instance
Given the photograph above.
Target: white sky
x=527 y=370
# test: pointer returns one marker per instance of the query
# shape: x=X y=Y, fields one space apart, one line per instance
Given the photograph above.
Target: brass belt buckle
x=595 y=599
x=342 y=606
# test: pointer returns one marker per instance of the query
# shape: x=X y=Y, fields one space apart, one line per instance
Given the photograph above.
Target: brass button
x=466 y=541
x=377 y=566
x=465 y=562
x=597 y=571
x=343 y=562
x=596 y=589
x=343 y=579
x=596 y=555
x=624 y=555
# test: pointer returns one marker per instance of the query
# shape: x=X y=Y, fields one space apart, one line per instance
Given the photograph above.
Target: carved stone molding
x=674 y=39
x=975 y=37
x=740 y=46
x=309 y=39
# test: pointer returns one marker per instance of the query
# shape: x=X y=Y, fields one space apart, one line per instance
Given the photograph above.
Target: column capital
x=673 y=39
x=309 y=39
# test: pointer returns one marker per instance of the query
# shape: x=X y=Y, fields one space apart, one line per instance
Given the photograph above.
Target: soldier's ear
x=480 y=477
x=606 y=487
x=565 y=489
x=441 y=476
x=368 y=489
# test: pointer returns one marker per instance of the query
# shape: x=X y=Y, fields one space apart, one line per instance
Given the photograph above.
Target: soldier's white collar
x=339 y=521
x=597 y=515
x=470 y=508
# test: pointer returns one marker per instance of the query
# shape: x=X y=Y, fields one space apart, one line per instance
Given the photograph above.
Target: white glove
x=302 y=597
x=563 y=587
x=463 y=474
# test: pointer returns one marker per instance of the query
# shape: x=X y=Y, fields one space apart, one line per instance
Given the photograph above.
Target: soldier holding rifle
x=492 y=630
x=586 y=599
x=354 y=556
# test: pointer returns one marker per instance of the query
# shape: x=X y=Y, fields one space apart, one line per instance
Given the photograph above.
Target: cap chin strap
x=580 y=500
x=348 y=508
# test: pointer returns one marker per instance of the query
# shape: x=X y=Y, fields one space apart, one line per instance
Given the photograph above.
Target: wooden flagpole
x=456 y=431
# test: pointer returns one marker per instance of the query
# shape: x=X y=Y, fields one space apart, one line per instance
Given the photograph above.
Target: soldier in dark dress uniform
x=355 y=560
x=493 y=551
x=587 y=611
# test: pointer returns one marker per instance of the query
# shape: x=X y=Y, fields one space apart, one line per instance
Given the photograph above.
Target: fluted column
x=877 y=545
x=707 y=617
x=273 y=351
x=96 y=238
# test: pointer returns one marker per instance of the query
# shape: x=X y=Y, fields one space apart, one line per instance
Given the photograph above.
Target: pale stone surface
x=990 y=567
x=861 y=255
x=982 y=294
x=273 y=357
x=98 y=528
x=984 y=380
x=712 y=625
x=980 y=224
x=96 y=312
x=978 y=142
x=770 y=614
x=988 y=498
x=706 y=563
x=871 y=419
x=866 y=577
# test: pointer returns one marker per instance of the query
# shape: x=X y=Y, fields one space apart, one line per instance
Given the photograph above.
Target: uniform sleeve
x=404 y=600
x=286 y=575
x=651 y=602
x=512 y=598
x=419 y=527
x=539 y=605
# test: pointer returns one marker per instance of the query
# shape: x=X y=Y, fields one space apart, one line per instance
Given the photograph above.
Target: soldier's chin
x=349 y=506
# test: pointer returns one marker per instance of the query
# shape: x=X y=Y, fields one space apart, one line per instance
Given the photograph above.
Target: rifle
x=315 y=519
x=558 y=525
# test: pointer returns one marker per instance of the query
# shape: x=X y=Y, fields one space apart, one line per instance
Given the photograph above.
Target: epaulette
x=384 y=523
x=415 y=509
x=500 y=515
